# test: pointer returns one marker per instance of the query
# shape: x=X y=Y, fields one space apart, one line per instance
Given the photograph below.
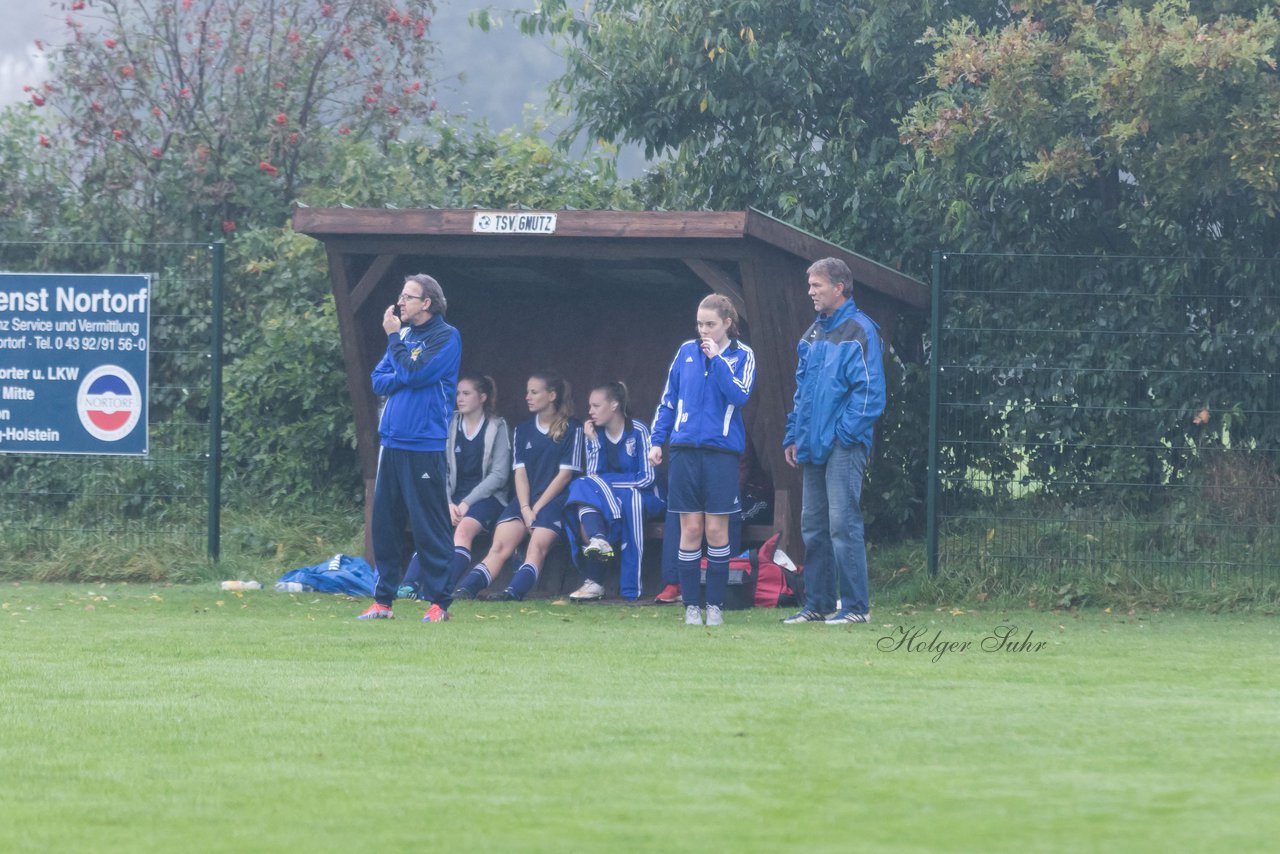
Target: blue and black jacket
x=839 y=385
x=418 y=375
x=701 y=406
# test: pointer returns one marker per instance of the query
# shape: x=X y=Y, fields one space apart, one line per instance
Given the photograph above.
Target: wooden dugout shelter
x=596 y=295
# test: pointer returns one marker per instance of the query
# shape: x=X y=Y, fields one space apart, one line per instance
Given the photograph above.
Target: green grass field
x=139 y=718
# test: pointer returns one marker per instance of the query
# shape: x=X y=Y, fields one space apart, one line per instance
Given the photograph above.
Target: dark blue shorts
x=551 y=516
x=702 y=481
x=486 y=511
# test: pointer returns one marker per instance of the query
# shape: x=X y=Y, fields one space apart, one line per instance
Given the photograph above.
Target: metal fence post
x=935 y=346
x=218 y=251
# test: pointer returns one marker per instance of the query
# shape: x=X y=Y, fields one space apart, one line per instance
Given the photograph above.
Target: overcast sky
x=25 y=21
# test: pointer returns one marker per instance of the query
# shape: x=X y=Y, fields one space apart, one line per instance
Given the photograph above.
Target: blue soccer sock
x=717 y=574
x=689 y=565
x=593 y=569
x=459 y=562
x=522 y=582
x=592 y=522
x=474 y=581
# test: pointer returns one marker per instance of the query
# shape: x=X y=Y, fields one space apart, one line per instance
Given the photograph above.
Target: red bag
x=776 y=586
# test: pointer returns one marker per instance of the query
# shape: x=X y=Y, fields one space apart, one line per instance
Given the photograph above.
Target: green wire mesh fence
x=1111 y=418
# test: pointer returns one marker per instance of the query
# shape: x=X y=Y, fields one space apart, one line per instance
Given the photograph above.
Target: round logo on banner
x=109 y=403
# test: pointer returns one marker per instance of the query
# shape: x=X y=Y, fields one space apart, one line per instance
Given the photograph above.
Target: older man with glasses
x=418 y=377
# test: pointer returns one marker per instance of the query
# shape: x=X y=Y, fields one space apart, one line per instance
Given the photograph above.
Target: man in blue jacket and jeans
x=418 y=376
x=839 y=396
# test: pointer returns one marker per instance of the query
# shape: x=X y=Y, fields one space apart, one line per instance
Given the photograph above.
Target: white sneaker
x=589 y=591
x=598 y=547
x=715 y=617
x=692 y=615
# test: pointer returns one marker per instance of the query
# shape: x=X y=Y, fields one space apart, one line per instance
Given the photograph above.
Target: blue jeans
x=831 y=525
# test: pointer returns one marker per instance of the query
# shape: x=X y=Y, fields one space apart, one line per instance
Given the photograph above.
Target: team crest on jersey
x=415 y=353
x=631 y=447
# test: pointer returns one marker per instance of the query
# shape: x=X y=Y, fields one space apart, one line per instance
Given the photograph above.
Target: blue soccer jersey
x=624 y=462
x=542 y=457
x=468 y=456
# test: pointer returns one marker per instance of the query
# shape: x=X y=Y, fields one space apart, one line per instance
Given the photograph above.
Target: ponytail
x=616 y=390
x=484 y=385
x=562 y=409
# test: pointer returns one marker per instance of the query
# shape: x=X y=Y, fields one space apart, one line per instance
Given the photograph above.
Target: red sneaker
x=376 y=612
x=669 y=595
x=435 y=614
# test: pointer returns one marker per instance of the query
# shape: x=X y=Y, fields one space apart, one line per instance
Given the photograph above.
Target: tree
x=187 y=120
x=792 y=108
x=1135 y=127
x=1141 y=129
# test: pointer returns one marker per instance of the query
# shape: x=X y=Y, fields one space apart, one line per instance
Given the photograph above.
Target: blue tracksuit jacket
x=701 y=406
x=419 y=377
x=839 y=385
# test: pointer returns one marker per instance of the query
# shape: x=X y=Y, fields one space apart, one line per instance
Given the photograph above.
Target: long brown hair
x=562 y=409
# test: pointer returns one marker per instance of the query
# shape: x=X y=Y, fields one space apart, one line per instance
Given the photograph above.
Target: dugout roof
x=596 y=295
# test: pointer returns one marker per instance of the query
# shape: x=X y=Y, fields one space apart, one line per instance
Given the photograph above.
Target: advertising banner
x=73 y=363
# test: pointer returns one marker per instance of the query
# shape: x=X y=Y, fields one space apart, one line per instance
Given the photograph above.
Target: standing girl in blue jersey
x=547 y=453
x=701 y=415
x=609 y=504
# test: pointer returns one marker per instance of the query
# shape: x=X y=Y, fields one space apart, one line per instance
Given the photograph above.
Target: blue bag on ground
x=341 y=574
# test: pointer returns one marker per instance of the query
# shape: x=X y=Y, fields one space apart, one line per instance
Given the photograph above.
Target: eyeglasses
x=407 y=297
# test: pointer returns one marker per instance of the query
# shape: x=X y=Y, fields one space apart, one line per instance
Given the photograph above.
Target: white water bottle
x=241 y=585
x=289 y=587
